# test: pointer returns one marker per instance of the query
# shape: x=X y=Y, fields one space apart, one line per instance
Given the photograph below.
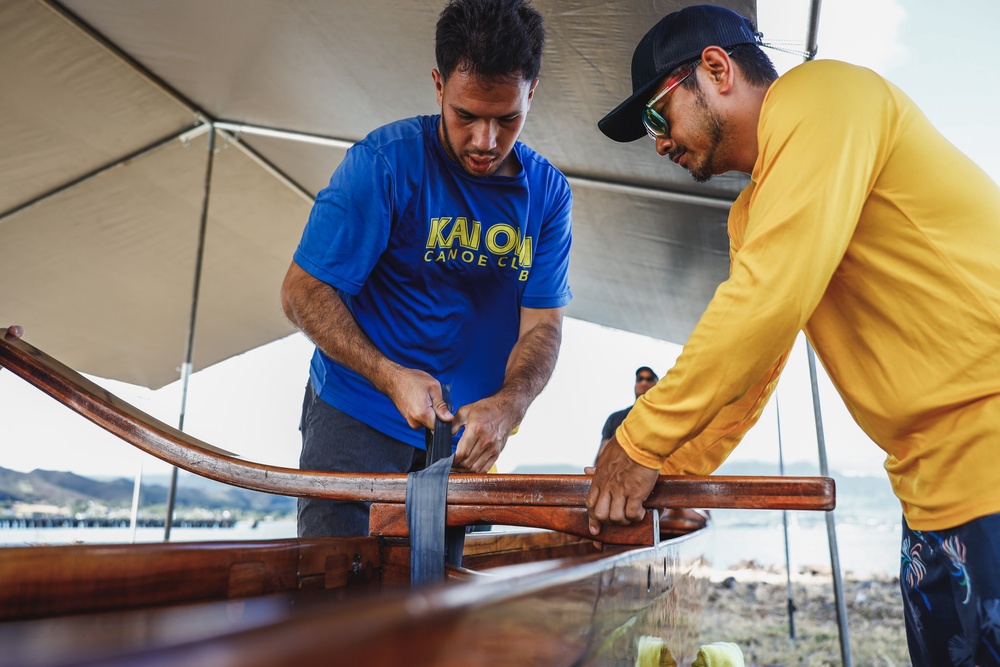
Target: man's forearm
x=532 y=360
x=319 y=312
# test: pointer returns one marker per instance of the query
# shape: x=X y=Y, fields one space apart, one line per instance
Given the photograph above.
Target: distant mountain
x=865 y=500
x=548 y=469
x=865 y=491
x=66 y=488
x=797 y=469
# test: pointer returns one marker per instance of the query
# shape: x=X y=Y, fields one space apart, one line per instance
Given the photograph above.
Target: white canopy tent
x=109 y=108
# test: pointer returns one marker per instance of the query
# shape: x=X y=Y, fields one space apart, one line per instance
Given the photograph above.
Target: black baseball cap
x=646 y=368
x=677 y=39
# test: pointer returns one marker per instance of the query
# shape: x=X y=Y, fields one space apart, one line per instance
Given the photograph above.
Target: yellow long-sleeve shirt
x=863 y=226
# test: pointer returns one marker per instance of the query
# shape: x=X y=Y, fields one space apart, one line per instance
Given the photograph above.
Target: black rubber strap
x=432 y=544
x=438 y=439
x=426 y=507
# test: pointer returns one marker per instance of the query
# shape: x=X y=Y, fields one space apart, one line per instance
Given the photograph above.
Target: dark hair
x=490 y=38
x=757 y=68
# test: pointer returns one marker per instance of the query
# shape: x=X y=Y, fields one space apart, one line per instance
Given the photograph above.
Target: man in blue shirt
x=438 y=255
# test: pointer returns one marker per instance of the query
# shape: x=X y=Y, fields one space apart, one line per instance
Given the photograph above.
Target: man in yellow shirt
x=868 y=230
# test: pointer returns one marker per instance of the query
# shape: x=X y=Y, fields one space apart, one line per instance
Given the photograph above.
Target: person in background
x=645 y=378
x=863 y=226
x=438 y=255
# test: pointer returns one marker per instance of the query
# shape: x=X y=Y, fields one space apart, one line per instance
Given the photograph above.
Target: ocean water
x=866 y=547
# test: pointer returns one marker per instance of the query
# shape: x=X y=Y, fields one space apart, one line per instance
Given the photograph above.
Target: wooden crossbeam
x=389 y=520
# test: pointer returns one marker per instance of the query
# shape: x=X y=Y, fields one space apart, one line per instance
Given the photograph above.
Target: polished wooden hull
x=522 y=598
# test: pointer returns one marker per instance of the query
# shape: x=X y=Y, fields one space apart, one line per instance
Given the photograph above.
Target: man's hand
x=418 y=397
x=488 y=424
x=619 y=488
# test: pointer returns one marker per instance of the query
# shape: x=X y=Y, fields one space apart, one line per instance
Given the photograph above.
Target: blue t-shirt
x=434 y=264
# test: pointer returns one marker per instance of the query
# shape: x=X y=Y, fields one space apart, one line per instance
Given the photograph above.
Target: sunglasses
x=645 y=378
x=656 y=125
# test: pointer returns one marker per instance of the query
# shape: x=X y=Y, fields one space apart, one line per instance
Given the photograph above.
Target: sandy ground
x=748 y=605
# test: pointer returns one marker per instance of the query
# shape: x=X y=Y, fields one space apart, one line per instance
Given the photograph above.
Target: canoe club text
x=455 y=239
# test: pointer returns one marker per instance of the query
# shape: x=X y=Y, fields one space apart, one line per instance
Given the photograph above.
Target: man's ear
x=438 y=85
x=721 y=70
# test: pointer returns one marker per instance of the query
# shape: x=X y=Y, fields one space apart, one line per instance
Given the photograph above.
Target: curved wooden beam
x=180 y=449
x=389 y=520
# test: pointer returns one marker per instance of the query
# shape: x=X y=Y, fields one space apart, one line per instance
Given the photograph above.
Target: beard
x=450 y=150
x=714 y=127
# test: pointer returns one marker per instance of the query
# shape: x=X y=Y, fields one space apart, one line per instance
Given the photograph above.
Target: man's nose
x=484 y=136
x=664 y=145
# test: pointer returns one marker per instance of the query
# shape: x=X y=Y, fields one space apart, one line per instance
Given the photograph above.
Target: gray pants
x=333 y=441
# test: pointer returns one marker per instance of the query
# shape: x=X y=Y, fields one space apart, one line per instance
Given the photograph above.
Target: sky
x=942 y=58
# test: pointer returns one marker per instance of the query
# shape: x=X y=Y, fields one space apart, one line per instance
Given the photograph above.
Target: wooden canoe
x=530 y=597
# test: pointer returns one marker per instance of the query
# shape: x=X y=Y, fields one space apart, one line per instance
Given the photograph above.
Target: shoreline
x=749 y=606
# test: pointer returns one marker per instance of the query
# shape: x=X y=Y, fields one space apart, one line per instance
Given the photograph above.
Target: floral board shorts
x=951 y=594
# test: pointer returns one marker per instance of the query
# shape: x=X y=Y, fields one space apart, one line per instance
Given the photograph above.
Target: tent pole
x=136 y=486
x=831 y=529
x=812 y=36
x=812 y=47
x=784 y=522
x=186 y=368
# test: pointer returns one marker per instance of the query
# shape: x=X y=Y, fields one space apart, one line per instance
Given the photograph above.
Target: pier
x=99 y=522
